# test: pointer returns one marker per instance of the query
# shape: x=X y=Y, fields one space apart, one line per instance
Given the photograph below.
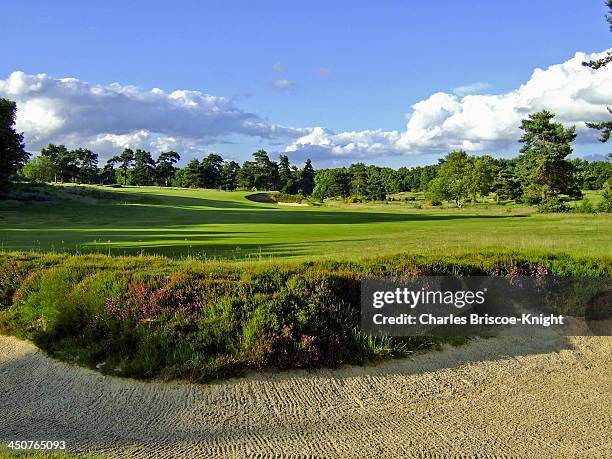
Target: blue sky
x=344 y=66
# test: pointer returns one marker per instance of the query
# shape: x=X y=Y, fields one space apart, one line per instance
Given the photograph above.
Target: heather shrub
x=153 y=317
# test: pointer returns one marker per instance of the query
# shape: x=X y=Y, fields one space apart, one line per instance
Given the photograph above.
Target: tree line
x=56 y=163
x=540 y=172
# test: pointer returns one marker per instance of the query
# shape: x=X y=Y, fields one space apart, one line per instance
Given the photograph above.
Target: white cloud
x=106 y=118
x=278 y=68
x=109 y=117
x=283 y=84
x=478 y=123
x=473 y=88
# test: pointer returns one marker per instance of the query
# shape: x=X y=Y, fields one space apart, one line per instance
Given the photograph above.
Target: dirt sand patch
x=505 y=397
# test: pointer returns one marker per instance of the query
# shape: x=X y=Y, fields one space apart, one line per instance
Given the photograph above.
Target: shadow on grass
x=148 y=215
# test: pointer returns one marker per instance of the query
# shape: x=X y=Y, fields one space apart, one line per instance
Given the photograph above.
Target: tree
x=604 y=126
x=66 y=162
x=12 y=148
x=482 y=176
x=211 y=171
x=107 y=174
x=375 y=187
x=192 y=174
x=229 y=175
x=307 y=178
x=428 y=173
x=164 y=167
x=125 y=160
x=143 y=173
x=39 y=170
x=87 y=164
x=247 y=175
x=606 y=202
x=542 y=163
x=265 y=172
x=331 y=183
x=506 y=186
x=454 y=178
x=359 y=179
x=606 y=130
x=285 y=177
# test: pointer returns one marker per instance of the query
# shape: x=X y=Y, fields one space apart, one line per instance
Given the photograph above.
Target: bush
x=585 y=207
x=532 y=195
x=291 y=198
x=606 y=203
x=150 y=317
x=553 y=204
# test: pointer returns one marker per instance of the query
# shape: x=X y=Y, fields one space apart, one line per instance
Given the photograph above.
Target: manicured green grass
x=211 y=224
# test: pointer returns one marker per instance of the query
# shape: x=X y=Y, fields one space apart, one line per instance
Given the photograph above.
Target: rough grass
x=153 y=317
x=6 y=453
x=211 y=224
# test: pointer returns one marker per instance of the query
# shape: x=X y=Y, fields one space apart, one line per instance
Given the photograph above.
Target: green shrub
x=290 y=198
x=153 y=317
x=606 y=203
x=585 y=207
x=532 y=195
x=553 y=205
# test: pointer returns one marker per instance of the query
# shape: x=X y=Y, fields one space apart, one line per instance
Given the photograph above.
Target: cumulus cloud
x=478 y=123
x=108 y=117
x=283 y=84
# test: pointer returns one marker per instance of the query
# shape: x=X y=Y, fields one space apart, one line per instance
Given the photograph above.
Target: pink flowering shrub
x=155 y=317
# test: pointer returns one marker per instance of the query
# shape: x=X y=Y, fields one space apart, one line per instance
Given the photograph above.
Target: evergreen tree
x=125 y=160
x=107 y=174
x=87 y=164
x=604 y=126
x=265 y=172
x=332 y=183
x=307 y=178
x=211 y=167
x=247 y=176
x=543 y=167
x=505 y=185
x=192 y=174
x=12 y=148
x=66 y=162
x=285 y=177
x=229 y=175
x=164 y=167
x=143 y=173
x=359 y=179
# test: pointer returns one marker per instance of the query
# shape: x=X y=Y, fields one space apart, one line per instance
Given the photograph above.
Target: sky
x=391 y=83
